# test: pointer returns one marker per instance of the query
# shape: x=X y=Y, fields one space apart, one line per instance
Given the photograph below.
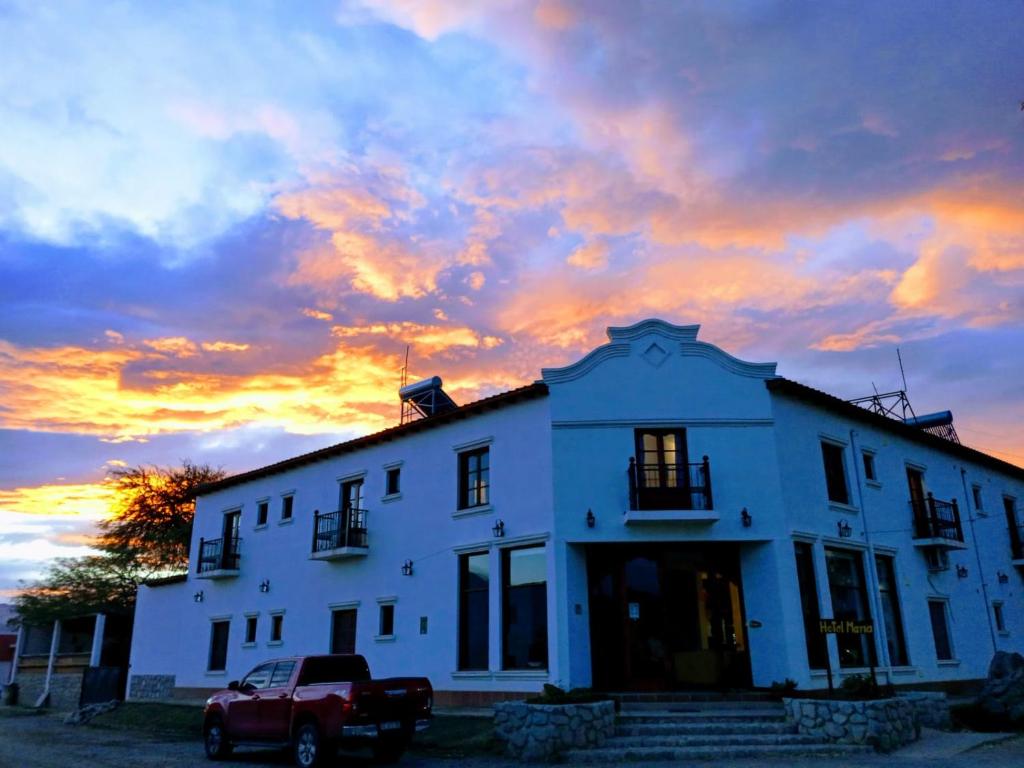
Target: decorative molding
x=732 y=364
x=350 y=476
x=644 y=422
x=653 y=325
x=585 y=364
x=344 y=606
x=479 y=442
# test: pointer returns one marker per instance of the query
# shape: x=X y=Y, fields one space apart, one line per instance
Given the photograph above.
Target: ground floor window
x=386 y=620
x=938 y=610
x=524 y=608
x=817 y=648
x=997 y=612
x=276 y=627
x=474 y=614
x=218 y=660
x=343 y=631
x=890 y=600
x=850 y=601
x=250 y=628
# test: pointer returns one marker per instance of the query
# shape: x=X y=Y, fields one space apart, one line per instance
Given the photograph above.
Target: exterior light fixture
x=499 y=529
x=845 y=531
x=591 y=520
x=198 y=596
x=1003 y=578
x=265 y=585
x=961 y=571
x=407 y=568
x=746 y=517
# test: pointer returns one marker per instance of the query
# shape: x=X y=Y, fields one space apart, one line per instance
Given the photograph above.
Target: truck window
x=282 y=674
x=334 y=669
x=259 y=677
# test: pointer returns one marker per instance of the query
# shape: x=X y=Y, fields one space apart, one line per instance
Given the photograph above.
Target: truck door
x=275 y=710
x=243 y=711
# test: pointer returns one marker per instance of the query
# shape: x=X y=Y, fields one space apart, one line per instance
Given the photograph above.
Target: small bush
x=552 y=694
x=785 y=688
x=864 y=687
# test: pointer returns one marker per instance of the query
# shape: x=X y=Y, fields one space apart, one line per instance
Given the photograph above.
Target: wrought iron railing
x=934 y=519
x=669 y=486
x=343 y=528
x=219 y=554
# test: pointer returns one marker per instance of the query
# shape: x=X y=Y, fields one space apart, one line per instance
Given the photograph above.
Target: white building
x=657 y=515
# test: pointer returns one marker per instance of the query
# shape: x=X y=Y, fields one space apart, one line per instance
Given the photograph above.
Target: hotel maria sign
x=845 y=627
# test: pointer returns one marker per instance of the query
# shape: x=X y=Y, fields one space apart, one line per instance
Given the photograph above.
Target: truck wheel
x=215 y=739
x=308 y=747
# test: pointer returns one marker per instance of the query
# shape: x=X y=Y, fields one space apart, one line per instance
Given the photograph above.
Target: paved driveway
x=45 y=742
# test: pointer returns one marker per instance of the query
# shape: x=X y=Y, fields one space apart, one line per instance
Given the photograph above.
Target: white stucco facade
x=642 y=583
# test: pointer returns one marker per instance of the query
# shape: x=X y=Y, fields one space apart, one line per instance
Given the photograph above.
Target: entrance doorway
x=667 y=616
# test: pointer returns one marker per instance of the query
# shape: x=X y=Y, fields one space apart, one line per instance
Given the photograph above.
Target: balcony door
x=663 y=477
x=351 y=506
x=230 y=533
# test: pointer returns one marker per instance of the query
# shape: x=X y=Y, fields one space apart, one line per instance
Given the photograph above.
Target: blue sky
x=220 y=224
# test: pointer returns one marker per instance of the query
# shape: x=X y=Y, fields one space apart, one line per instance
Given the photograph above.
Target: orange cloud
x=90 y=500
x=427 y=339
x=593 y=255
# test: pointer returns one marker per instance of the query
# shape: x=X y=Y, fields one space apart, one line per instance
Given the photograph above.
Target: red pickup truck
x=316 y=705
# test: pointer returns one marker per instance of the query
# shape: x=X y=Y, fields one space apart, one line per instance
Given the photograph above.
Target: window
x=889 y=594
x=940 y=630
x=997 y=612
x=231 y=531
x=218 y=646
x=1014 y=527
x=250 y=628
x=387 y=620
x=287 y=506
x=835 y=473
x=392 y=485
x=661 y=454
x=869 y=467
x=976 y=496
x=343 y=631
x=524 y=606
x=259 y=678
x=849 y=601
x=276 y=627
x=474 y=606
x=817 y=648
x=474 y=478
x=262 y=512
x=282 y=674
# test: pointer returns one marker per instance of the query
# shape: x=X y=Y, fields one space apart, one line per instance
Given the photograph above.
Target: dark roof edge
x=528 y=392
x=833 y=403
x=163 y=581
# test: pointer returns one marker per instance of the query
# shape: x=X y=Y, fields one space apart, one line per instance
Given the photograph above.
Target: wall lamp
x=265 y=585
x=499 y=529
x=845 y=531
x=746 y=517
x=591 y=520
x=407 y=568
x=198 y=596
x=961 y=571
x=1003 y=578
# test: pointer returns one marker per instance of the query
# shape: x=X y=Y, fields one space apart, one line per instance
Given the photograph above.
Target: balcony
x=339 y=535
x=936 y=523
x=218 y=558
x=1017 y=543
x=661 y=493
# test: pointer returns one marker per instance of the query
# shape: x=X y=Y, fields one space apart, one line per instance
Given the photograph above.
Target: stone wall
x=151 y=687
x=931 y=708
x=885 y=724
x=539 y=732
x=65 y=689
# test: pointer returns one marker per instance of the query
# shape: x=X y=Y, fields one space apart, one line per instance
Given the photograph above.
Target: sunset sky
x=221 y=223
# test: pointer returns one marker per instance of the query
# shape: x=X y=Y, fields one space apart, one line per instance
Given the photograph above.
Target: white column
x=54 y=645
x=97 y=640
x=17 y=654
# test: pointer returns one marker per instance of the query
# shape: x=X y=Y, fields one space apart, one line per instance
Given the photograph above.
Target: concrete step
x=710 y=740
x=676 y=696
x=701 y=729
x=690 y=706
x=704 y=716
x=650 y=754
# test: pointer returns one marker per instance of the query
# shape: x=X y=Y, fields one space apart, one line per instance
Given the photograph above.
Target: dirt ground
x=45 y=742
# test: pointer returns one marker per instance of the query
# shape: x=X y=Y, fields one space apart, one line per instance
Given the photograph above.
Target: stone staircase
x=703 y=727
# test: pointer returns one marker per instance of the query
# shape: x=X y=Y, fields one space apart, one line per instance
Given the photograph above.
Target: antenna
x=902 y=374
x=404 y=379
